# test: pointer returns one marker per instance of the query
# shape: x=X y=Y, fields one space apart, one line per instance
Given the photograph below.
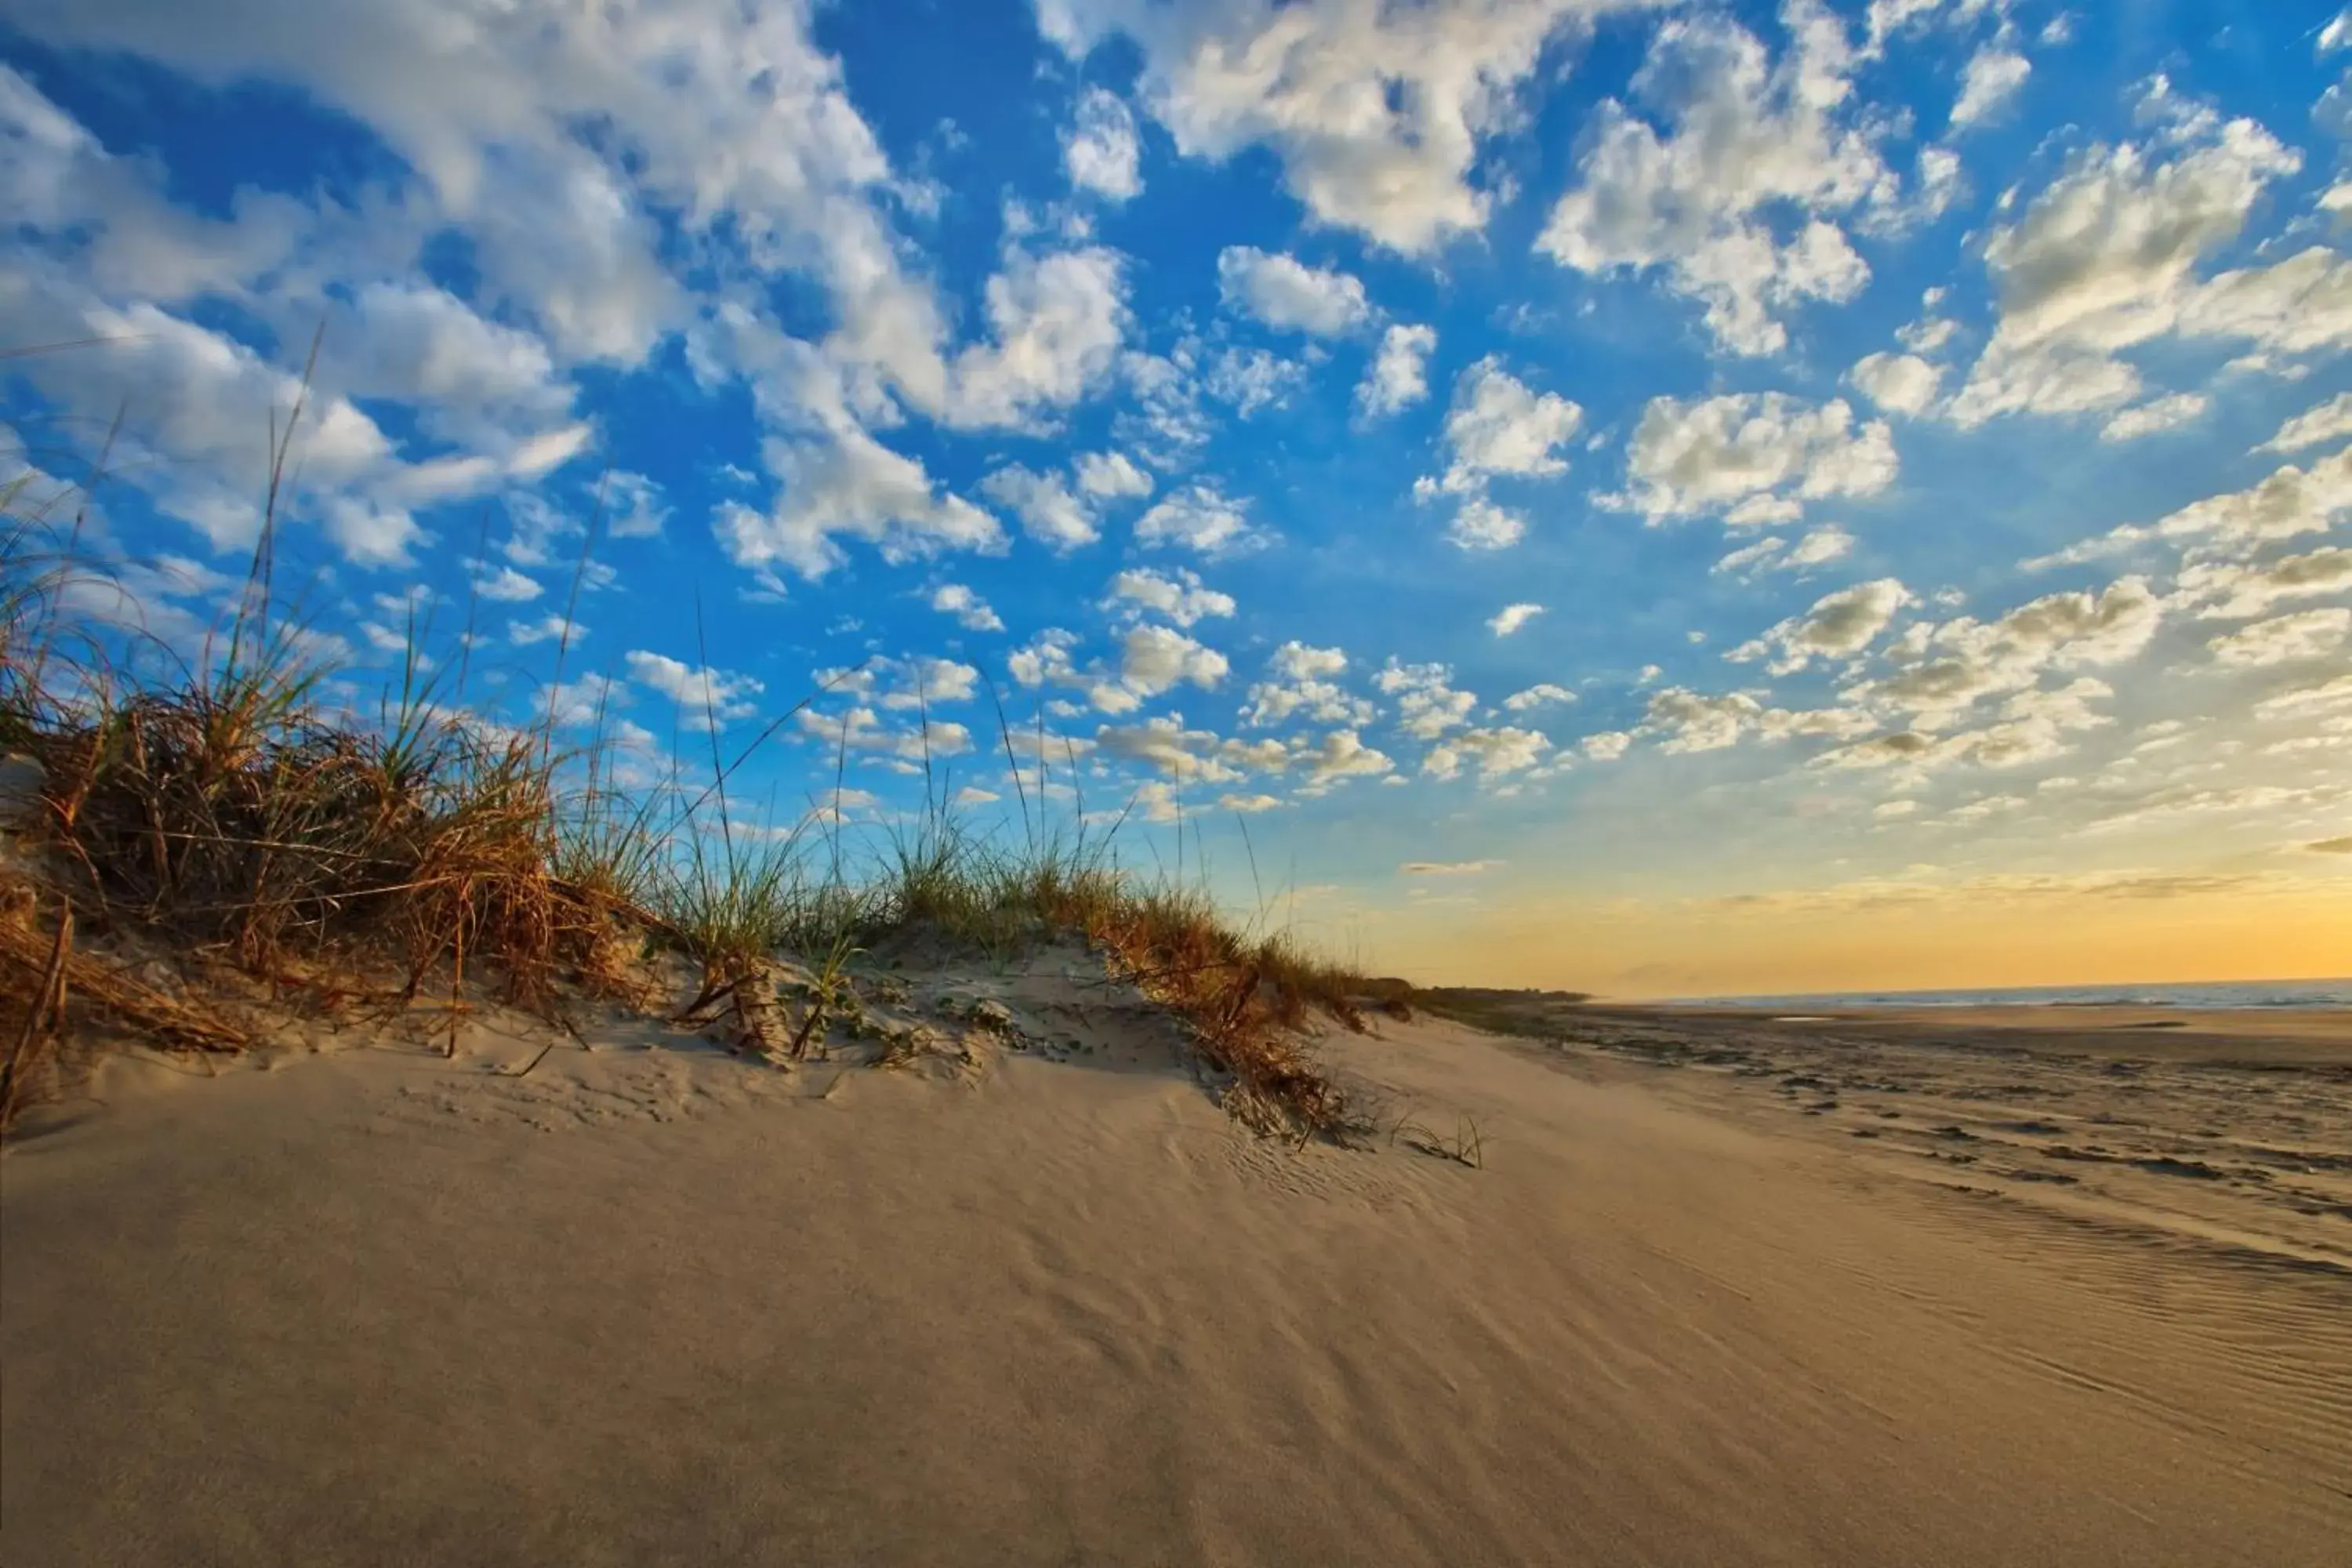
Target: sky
x=1661 y=498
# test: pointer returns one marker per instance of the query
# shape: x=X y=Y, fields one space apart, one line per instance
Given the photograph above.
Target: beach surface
x=1039 y=1300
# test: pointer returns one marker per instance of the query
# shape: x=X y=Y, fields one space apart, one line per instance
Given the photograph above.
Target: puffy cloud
x=1057 y=324
x=1427 y=704
x=2289 y=501
x=702 y=694
x=1154 y=658
x=1942 y=670
x=1495 y=752
x=1301 y=682
x=1100 y=153
x=910 y=684
x=1338 y=756
x=1606 y=746
x=2330 y=421
x=1479 y=524
x=2167 y=413
x=1191 y=756
x=1199 y=518
x=506 y=586
x=1756 y=457
x=1498 y=425
x=1049 y=514
x=1181 y=598
x=1376 y=112
x=1511 y=618
x=2324 y=697
x=1106 y=475
x=859 y=727
x=1248 y=804
x=634 y=506
x=1282 y=292
x=1397 y=377
x=1818 y=548
x=1839 y=625
x=1537 y=696
x=1900 y=384
x=970 y=611
x=838 y=481
x=2235 y=589
x=1748 y=139
x=1993 y=77
x=2106 y=260
x=1252 y=378
x=2285 y=639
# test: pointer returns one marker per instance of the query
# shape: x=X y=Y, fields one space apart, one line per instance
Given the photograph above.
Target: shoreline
x=2251 y=1036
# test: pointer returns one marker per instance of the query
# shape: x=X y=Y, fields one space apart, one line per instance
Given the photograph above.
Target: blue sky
x=1600 y=484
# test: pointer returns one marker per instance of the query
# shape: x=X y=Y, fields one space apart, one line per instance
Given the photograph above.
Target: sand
x=652 y=1304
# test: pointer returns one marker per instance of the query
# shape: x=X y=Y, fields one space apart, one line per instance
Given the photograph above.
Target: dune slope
x=655 y=1306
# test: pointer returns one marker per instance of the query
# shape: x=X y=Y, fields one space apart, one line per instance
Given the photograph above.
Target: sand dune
x=1049 y=1305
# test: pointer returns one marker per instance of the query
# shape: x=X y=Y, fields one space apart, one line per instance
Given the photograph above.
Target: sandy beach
x=1043 y=1301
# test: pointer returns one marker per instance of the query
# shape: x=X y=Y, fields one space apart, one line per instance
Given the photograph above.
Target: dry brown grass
x=230 y=818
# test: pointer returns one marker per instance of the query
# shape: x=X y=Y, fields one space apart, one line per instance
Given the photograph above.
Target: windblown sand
x=650 y=1304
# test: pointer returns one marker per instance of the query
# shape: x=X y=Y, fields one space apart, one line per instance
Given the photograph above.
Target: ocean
x=2212 y=993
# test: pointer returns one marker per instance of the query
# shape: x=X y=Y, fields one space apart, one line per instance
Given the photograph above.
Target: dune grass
x=229 y=814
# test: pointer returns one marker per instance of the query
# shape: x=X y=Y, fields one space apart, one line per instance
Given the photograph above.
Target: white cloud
x=1427 y=704
x=2153 y=417
x=1397 y=377
x=1511 y=618
x=1154 y=658
x=2229 y=589
x=1759 y=454
x=1338 y=756
x=1106 y=475
x=1818 y=548
x=1537 y=696
x=634 y=506
x=547 y=628
x=1497 y=752
x=1056 y=322
x=1301 y=682
x=1479 y=524
x=2285 y=639
x=970 y=611
x=1181 y=598
x=1049 y=514
x=1942 y=670
x=1100 y=153
x=701 y=693
x=1248 y=803
x=1199 y=518
x=1900 y=384
x=1607 y=746
x=838 y=481
x=1498 y=425
x=1282 y=292
x=2106 y=259
x=1993 y=77
x=1747 y=141
x=1252 y=378
x=506 y=586
x=1839 y=625
x=1376 y=114
x=2323 y=696
x=2330 y=421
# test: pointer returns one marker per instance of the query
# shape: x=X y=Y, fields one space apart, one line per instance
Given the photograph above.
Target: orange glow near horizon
x=1651 y=951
